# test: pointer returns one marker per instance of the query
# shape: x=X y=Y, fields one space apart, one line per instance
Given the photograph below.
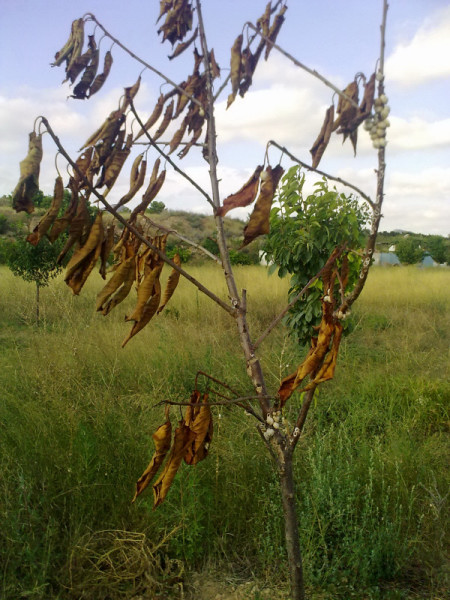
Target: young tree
x=336 y=276
x=409 y=251
x=36 y=264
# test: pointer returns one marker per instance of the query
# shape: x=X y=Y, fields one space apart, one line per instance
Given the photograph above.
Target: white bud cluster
x=342 y=315
x=377 y=124
x=327 y=299
x=275 y=422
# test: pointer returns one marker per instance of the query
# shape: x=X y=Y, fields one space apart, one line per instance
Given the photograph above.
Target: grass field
x=77 y=413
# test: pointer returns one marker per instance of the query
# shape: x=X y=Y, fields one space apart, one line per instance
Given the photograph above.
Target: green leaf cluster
x=304 y=231
x=35 y=263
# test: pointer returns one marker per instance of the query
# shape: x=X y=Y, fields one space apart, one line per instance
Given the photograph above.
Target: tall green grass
x=77 y=413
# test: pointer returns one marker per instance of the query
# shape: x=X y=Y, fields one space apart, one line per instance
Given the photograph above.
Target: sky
x=337 y=38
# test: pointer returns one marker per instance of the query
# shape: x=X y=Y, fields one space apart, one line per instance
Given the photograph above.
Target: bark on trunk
x=291 y=528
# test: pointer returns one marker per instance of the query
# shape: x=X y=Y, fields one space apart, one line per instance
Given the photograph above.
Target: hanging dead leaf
x=172 y=283
x=107 y=246
x=235 y=65
x=215 y=69
x=81 y=89
x=101 y=77
x=323 y=138
x=47 y=220
x=22 y=196
x=181 y=47
x=145 y=291
x=182 y=439
x=120 y=278
x=275 y=30
x=315 y=357
x=81 y=62
x=61 y=223
x=161 y=438
x=178 y=137
x=153 y=117
x=243 y=197
x=259 y=219
x=73 y=45
x=202 y=427
x=149 y=311
x=165 y=121
x=346 y=109
x=85 y=258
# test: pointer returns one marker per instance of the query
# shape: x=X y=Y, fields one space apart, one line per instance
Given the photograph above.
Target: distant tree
x=438 y=248
x=409 y=251
x=34 y=263
x=156 y=207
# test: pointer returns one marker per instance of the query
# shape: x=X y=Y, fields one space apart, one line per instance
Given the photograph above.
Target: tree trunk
x=37 y=302
x=291 y=531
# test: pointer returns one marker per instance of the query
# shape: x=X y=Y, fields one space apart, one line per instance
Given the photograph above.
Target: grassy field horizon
x=78 y=411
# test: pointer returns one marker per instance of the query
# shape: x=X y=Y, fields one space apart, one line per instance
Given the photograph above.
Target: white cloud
x=426 y=56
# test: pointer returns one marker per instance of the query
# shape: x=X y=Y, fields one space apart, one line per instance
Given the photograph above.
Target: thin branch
x=222 y=383
x=184 y=239
x=229 y=309
x=92 y=17
x=304 y=67
x=333 y=257
x=300 y=423
x=167 y=157
x=376 y=218
x=253 y=365
x=226 y=402
x=327 y=175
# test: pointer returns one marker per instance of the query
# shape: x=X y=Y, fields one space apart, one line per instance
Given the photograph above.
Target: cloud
x=425 y=57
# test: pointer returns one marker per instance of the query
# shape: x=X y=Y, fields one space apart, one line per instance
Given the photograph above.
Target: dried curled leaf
x=77 y=66
x=47 y=220
x=81 y=89
x=182 y=46
x=201 y=426
x=145 y=291
x=275 y=30
x=172 y=283
x=73 y=45
x=178 y=20
x=85 y=258
x=259 y=219
x=153 y=117
x=165 y=121
x=235 y=65
x=149 y=311
x=22 y=196
x=118 y=287
x=182 y=439
x=101 y=77
x=243 y=197
x=323 y=138
x=316 y=357
x=107 y=246
x=161 y=438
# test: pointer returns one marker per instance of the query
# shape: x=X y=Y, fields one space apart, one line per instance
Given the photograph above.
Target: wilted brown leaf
x=259 y=219
x=47 y=220
x=182 y=439
x=243 y=197
x=22 y=196
x=85 y=258
x=162 y=438
x=201 y=426
x=101 y=78
x=235 y=64
x=149 y=311
x=172 y=283
x=323 y=138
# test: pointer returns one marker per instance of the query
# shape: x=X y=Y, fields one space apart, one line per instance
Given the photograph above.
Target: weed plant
x=77 y=414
